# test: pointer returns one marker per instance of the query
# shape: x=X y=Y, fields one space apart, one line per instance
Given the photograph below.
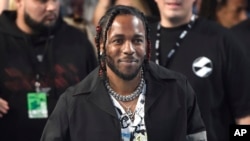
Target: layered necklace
x=172 y=52
x=127 y=98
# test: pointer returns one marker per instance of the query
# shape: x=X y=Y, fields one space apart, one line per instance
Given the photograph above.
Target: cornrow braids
x=105 y=24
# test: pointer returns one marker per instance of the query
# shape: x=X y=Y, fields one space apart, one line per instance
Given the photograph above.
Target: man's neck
x=121 y=86
x=21 y=24
x=175 y=22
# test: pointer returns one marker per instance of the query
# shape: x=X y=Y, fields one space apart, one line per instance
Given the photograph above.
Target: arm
x=237 y=80
x=195 y=127
x=243 y=120
x=3 y=107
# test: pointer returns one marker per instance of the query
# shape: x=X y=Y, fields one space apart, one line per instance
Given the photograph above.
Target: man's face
x=77 y=8
x=125 y=47
x=175 y=9
x=232 y=13
x=40 y=14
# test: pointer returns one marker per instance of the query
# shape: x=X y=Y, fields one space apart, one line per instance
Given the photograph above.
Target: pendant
x=130 y=113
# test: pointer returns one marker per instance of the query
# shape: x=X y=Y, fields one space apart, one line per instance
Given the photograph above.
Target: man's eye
x=42 y=1
x=45 y=1
x=117 y=41
x=138 y=41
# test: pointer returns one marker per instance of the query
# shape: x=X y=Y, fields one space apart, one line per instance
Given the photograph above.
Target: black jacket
x=85 y=112
x=68 y=58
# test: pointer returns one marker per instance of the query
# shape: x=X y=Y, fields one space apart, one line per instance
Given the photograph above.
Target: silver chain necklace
x=126 y=98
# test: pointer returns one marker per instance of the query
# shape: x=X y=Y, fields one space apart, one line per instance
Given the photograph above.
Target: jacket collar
x=94 y=87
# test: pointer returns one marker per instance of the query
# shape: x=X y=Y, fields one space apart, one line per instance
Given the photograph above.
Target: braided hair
x=104 y=25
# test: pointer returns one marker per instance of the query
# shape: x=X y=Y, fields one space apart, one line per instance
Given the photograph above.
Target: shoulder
x=242 y=30
x=70 y=31
x=211 y=30
x=160 y=72
x=209 y=27
x=243 y=26
x=164 y=80
x=85 y=86
x=66 y=35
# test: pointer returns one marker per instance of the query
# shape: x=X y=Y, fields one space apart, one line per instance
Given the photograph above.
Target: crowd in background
x=219 y=30
x=85 y=14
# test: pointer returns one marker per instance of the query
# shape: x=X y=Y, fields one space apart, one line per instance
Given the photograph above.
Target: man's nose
x=129 y=48
x=52 y=5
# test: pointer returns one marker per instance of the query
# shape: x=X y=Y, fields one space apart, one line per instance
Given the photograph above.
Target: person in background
x=87 y=6
x=103 y=5
x=126 y=97
x=40 y=56
x=212 y=59
x=227 y=13
x=231 y=12
x=76 y=19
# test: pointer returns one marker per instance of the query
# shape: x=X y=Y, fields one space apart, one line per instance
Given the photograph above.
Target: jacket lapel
x=101 y=98
x=155 y=88
x=153 y=92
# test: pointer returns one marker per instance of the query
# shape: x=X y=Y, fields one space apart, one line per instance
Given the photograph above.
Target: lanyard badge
x=37 y=103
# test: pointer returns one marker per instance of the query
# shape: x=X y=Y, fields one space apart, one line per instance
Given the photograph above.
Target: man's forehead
x=129 y=24
x=127 y=21
x=127 y=18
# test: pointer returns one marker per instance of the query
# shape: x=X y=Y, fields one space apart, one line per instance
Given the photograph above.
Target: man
x=75 y=18
x=126 y=98
x=231 y=12
x=103 y=5
x=211 y=58
x=40 y=56
x=227 y=13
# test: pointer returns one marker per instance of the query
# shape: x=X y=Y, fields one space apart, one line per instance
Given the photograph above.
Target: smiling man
x=127 y=97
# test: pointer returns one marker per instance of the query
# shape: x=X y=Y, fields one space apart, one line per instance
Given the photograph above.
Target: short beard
x=37 y=28
x=111 y=65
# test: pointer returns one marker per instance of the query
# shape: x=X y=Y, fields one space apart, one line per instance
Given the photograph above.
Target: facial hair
x=37 y=27
x=111 y=65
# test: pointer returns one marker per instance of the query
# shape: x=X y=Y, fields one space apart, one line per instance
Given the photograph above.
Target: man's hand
x=243 y=120
x=4 y=107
